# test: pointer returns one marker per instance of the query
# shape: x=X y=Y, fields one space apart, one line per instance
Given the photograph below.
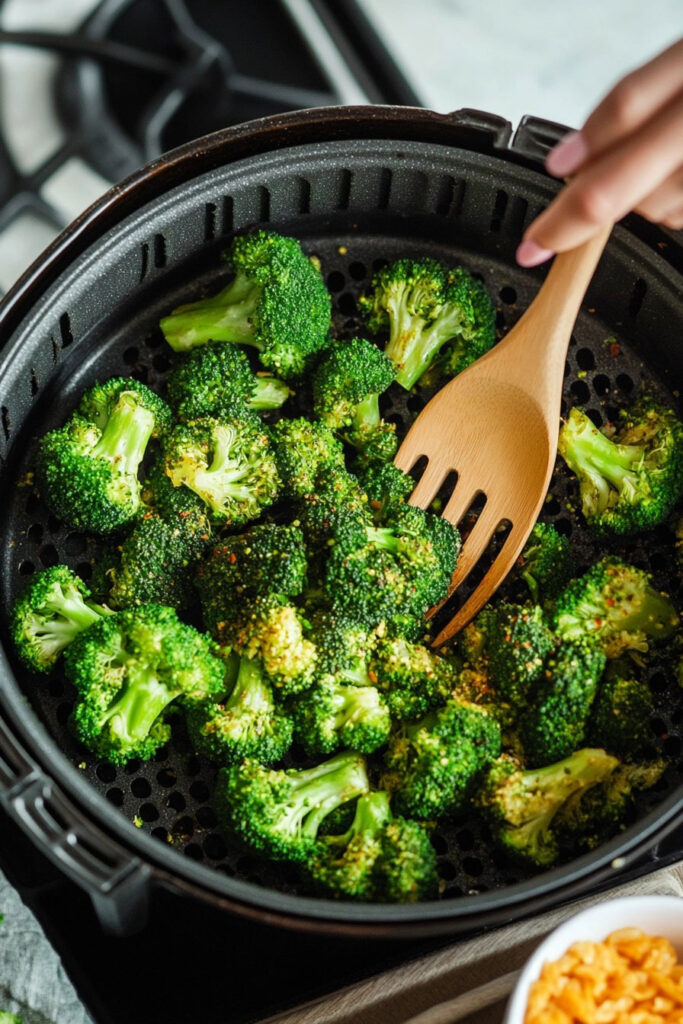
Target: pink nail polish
x=530 y=255
x=567 y=155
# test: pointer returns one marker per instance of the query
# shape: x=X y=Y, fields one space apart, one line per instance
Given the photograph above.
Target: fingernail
x=567 y=155
x=530 y=255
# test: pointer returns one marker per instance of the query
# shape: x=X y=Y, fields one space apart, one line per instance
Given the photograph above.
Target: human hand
x=628 y=156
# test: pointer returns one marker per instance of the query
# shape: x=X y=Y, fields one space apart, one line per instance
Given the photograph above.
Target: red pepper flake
x=233 y=558
x=609 y=601
x=598 y=623
x=614 y=348
x=372 y=676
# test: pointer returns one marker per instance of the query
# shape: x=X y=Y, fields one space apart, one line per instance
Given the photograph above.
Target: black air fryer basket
x=357 y=186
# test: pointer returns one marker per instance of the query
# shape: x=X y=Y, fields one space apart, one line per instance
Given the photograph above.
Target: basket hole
x=304 y=195
x=166 y=778
x=344 y=190
x=385 y=181
x=563 y=526
x=264 y=203
x=140 y=787
x=115 y=796
x=131 y=356
x=206 y=817
x=446 y=870
x=508 y=295
x=105 y=772
x=200 y=791
x=183 y=829
x=177 y=801
x=335 y=281
x=227 y=215
x=159 y=251
x=347 y=304
x=26 y=568
x=473 y=866
x=6 y=426
x=499 y=208
x=65 y=330
x=357 y=270
x=215 y=848
x=148 y=812
x=624 y=383
x=601 y=384
x=209 y=221
x=585 y=359
x=580 y=391
x=48 y=555
x=595 y=415
x=194 y=852
x=637 y=297
x=34 y=383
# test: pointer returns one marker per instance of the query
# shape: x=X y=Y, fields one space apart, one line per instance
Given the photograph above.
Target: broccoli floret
x=336 y=714
x=412 y=679
x=161 y=497
x=267 y=559
x=128 y=668
x=245 y=724
x=430 y=765
x=337 y=512
x=517 y=644
x=620 y=717
x=50 y=614
x=87 y=470
x=278 y=813
x=386 y=487
x=10 y=1018
x=277 y=302
x=346 y=388
x=425 y=305
x=398 y=575
x=271 y=631
x=157 y=561
x=379 y=857
x=554 y=725
x=227 y=463
x=218 y=381
x=306 y=454
x=343 y=648
x=546 y=562
x=590 y=817
x=520 y=806
x=631 y=481
x=616 y=604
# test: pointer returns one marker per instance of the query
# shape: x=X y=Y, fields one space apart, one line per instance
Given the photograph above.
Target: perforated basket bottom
x=171 y=797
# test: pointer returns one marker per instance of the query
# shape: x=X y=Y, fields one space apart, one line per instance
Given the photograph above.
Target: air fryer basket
x=91 y=310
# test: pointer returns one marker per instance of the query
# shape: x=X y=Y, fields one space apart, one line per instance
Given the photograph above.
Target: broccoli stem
x=607 y=463
x=412 y=346
x=366 y=413
x=353 y=702
x=133 y=712
x=126 y=434
x=72 y=616
x=227 y=316
x=321 y=789
x=385 y=538
x=250 y=692
x=269 y=393
x=221 y=479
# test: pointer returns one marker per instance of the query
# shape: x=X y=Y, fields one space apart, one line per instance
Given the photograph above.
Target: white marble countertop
x=512 y=57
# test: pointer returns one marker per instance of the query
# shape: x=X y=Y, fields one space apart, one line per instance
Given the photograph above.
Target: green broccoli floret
x=218 y=381
x=346 y=387
x=553 y=726
x=343 y=648
x=128 y=668
x=379 y=857
x=336 y=714
x=337 y=512
x=278 y=813
x=227 y=463
x=620 y=717
x=517 y=644
x=616 y=604
x=590 y=817
x=269 y=558
x=157 y=561
x=306 y=454
x=631 y=481
x=412 y=679
x=546 y=562
x=245 y=724
x=430 y=765
x=425 y=305
x=386 y=487
x=50 y=614
x=277 y=303
x=161 y=497
x=271 y=631
x=87 y=470
x=520 y=806
x=10 y=1018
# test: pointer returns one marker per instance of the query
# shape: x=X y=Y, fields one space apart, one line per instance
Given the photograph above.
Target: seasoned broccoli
x=87 y=470
x=157 y=561
x=412 y=679
x=520 y=806
x=50 y=614
x=516 y=646
x=218 y=381
x=590 y=816
x=128 y=668
x=546 y=562
x=616 y=604
x=336 y=714
x=227 y=463
x=271 y=631
x=278 y=813
x=337 y=512
x=343 y=648
x=631 y=481
x=554 y=724
x=425 y=305
x=10 y=1018
x=430 y=765
x=347 y=384
x=620 y=717
x=379 y=857
x=306 y=454
x=245 y=724
x=386 y=487
x=277 y=302
x=269 y=558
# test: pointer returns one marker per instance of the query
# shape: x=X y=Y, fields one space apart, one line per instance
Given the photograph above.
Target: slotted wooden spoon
x=496 y=425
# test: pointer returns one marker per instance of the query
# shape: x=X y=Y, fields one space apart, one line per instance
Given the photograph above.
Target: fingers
x=644 y=171
x=630 y=104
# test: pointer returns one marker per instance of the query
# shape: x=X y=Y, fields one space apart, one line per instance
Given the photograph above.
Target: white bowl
x=655 y=915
